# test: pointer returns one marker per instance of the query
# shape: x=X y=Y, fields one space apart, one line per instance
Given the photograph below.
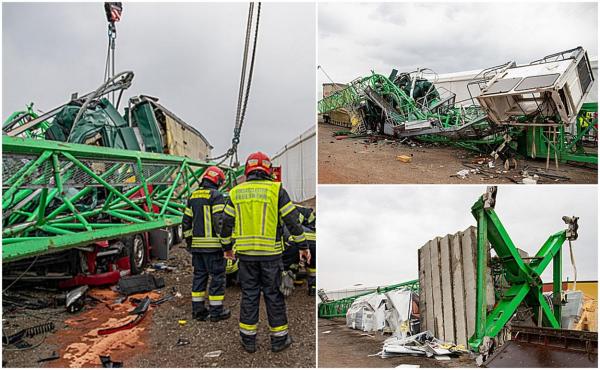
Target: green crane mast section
x=523 y=276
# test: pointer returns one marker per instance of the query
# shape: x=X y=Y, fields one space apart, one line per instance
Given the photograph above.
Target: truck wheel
x=177 y=234
x=136 y=249
x=170 y=237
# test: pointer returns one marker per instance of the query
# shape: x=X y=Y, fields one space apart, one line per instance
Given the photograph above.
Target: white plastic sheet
x=298 y=163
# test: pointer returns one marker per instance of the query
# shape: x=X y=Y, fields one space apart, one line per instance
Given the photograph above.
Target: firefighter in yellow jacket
x=252 y=219
x=201 y=223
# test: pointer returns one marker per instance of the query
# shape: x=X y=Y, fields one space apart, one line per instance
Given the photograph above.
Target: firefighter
x=201 y=222
x=307 y=218
x=253 y=216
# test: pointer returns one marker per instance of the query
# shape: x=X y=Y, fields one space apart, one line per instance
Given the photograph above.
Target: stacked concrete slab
x=447 y=267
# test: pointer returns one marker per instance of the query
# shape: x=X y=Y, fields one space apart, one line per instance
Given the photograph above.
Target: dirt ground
x=153 y=342
x=343 y=162
x=345 y=347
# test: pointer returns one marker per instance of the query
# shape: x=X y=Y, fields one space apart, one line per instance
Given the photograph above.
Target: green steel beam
x=60 y=195
x=30 y=247
x=523 y=278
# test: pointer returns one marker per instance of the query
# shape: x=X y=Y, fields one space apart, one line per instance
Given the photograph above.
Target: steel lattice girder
x=338 y=308
x=523 y=277
x=46 y=183
x=467 y=126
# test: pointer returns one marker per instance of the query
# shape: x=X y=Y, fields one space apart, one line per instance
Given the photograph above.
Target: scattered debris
x=182 y=322
x=423 y=344
x=529 y=179
x=125 y=326
x=213 y=354
x=161 y=266
x=404 y=158
x=327 y=332
x=107 y=362
x=142 y=307
x=53 y=356
x=182 y=342
x=76 y=299
x=139 y=284
x=28 y=333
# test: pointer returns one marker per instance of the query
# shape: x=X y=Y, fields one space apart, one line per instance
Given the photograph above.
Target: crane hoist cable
x=113 y=11
x=244 y=89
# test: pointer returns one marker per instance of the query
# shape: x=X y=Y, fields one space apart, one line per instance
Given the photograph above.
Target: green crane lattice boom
x=338 y=308
x=60 y=195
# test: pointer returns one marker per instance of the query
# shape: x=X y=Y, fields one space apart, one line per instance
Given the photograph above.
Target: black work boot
x=278 y=346
x=248 y=343
x=223 y=315
x=312 y=291
x=201 y=315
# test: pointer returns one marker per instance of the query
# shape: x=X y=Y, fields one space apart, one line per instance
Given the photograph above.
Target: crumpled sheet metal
x=422 y=344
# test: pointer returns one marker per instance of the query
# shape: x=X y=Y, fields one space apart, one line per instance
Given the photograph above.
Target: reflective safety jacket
x=307 y=219
x=202 y=218
x=253 y=219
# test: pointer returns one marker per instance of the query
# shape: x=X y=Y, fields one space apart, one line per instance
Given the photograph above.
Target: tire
x=136 y=250
x=177 y=234
x=170 y=237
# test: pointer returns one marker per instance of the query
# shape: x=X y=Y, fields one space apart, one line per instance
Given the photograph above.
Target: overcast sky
x=370 y=234
x=189 y=55
x=450 y=37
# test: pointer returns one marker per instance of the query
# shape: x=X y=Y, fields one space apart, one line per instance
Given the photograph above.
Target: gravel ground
x=153 y=343
x=347 y=161
x=340 y=346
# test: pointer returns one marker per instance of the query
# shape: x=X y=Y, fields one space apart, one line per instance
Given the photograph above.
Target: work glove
x=287 y=283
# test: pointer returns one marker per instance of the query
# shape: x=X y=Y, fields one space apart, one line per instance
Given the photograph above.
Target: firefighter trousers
x=311 y=270
x=256 y=277
x=211 y=264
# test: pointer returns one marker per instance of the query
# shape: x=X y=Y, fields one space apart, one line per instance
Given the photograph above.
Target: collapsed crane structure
x=88 y=191
x=537 y=109
x=469 y=295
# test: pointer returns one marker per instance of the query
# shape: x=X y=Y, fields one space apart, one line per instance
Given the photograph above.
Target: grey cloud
x=187 y=54
x=448 y=37
x=371 y=234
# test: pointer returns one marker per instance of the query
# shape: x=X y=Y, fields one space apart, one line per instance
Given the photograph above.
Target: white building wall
x=298 y=163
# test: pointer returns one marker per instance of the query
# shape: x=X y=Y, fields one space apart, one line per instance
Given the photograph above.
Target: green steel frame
x=58 y=195
x=339 y=307
x=26 y=116
x=407 y=109
x=523 y=275
x=542 y=142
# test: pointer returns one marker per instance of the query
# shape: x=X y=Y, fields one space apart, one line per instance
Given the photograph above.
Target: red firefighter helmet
x=258 y=161
x=215 y=175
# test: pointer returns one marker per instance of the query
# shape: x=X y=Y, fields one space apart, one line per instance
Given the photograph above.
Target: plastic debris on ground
x=422 y=344
x=213 y=354
x=108 y=363
x=404 y=158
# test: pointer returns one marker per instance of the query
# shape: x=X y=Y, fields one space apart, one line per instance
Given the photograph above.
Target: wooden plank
x=438 y=309
x=447 y=294
x=458 y=289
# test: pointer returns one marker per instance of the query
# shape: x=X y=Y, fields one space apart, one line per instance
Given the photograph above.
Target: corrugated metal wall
x=298 y=166
x=447 y=267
